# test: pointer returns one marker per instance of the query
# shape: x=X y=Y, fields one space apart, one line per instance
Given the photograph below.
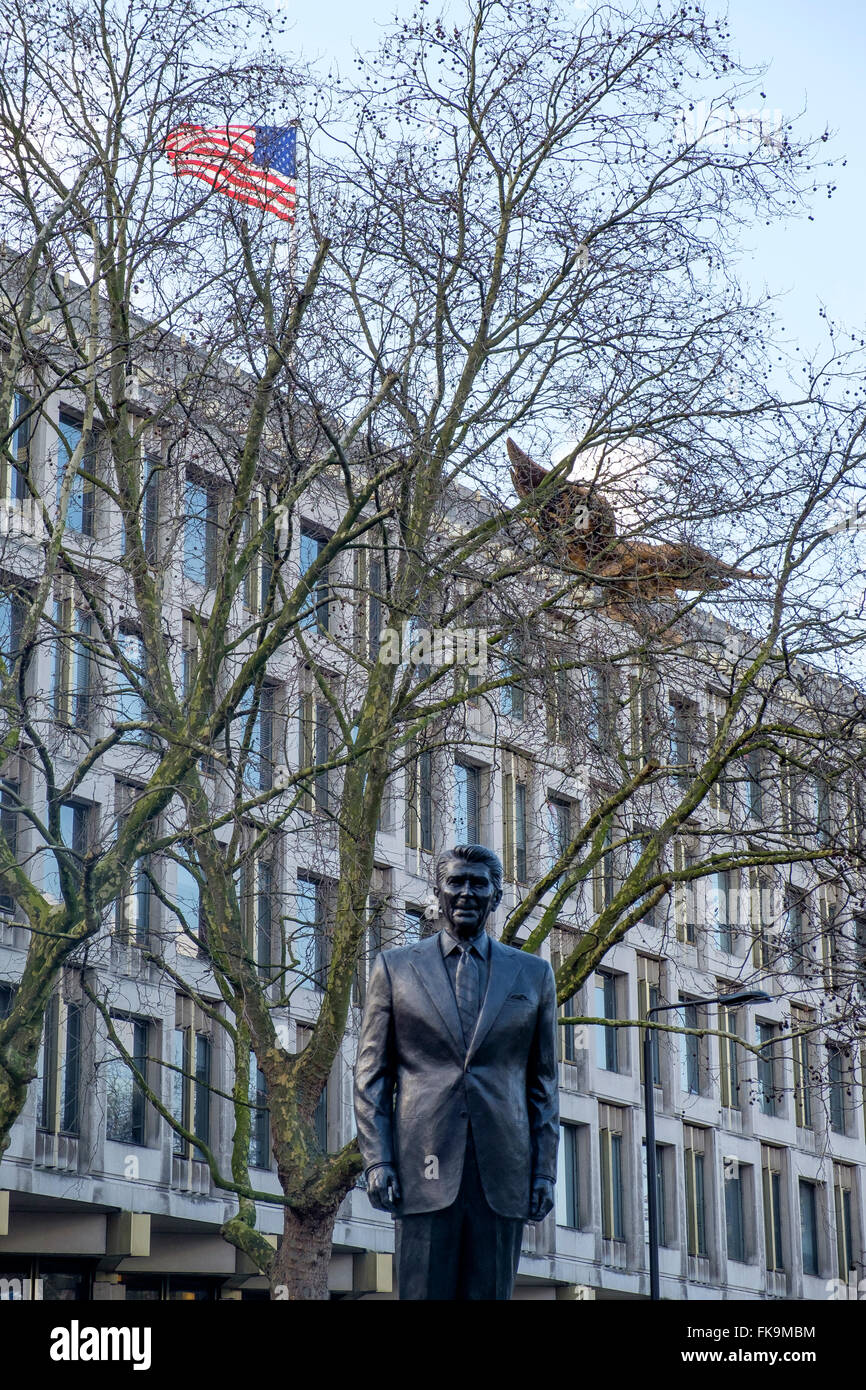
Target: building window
x=310 y=938
x=607 y=1039
x=260 y=1137
x=60 y=1067
x=512 y=697
x=133 y=906
x=148 y=510
x=681 y=714
x=843 y=1196
x=187 y=895
x=255 y=900
x=809 y=1226
x=382 y=933
x=131 y=683
x=636 y=847
x=801 y=1020
x=125 y=1099
x=754 y=784
x=74 y=843
x=722 y=888
x=563 y=943
x=467 y=804
x=557 y=703
x=72 y=676
x=191 y=1079
x=568 y=1177
x=796 y=932
x=200 y=532
x=836 y=1083
x=132 y=909
x=612 y=1189
x=413 y=925
x=264 y=911
x=684 y=896
x=419 y=800
x=823 y=812
x=7 y=998
x=641 y=714
x=768 y=1091
x=567 y=1033
x=315 y=743
x=764 y=950
x=854 y=813
x=649 y=997
x=558 y=829
x=259 y=771
x=789 y=801
x=320 y=1114
x=13 y=608
x=189 y=655
x=661 y=1190
x=369 y=604
x=729 y=1060
x=691 y=1048
x=80 y=511
x=829 y=943
x=734 y=1212
x=771 y=1166
x=720 y=791
x=514 y=827
x=600 y=720
x=9 y=802
x=260 y=521
x=694 y=1158
x=604 y=875
x=13 y=486
x=375 y=608
x=317 y=616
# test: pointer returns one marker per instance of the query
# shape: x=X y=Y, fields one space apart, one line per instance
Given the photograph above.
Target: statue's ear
x=525 y=471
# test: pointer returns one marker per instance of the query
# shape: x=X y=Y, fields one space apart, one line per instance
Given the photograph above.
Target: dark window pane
x=809 y=1226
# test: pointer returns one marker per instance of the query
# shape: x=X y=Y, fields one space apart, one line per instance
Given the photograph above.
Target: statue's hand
x=541 y=1201
x=383 y=1189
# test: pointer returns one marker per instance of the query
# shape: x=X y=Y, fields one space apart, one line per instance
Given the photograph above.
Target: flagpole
x=293 y=252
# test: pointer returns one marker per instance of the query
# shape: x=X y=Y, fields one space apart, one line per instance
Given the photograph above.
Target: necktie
x=466 y=989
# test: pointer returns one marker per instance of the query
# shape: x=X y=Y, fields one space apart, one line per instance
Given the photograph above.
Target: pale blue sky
x=816 y=55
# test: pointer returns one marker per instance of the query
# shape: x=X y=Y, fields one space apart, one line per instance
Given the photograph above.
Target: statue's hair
x=473 y=854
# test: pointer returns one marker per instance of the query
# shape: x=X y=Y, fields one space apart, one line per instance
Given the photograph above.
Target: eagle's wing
x=574 y=519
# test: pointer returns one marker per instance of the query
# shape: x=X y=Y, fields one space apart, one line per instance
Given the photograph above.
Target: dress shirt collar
x=450 y=943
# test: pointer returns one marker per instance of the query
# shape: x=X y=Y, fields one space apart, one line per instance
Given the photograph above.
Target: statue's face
x=466 y=895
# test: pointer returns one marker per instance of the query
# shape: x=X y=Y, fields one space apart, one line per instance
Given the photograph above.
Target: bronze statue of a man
x=456 y=1094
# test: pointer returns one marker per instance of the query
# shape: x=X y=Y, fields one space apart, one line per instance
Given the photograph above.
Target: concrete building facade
x=761 y=1161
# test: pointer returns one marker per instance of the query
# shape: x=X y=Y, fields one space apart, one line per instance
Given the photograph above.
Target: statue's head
x=468 y=887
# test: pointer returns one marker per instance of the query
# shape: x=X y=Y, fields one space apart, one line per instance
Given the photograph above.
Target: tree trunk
x=300 y=1270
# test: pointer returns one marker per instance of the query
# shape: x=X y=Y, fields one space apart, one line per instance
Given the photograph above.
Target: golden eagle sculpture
x=578 y=527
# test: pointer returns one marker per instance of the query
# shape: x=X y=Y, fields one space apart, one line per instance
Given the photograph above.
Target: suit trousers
x=462 y=1252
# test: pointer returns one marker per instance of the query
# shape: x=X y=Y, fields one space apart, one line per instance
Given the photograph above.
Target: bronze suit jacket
x=418 y=1086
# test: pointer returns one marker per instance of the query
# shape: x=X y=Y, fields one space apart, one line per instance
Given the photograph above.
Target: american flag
x=253 y=163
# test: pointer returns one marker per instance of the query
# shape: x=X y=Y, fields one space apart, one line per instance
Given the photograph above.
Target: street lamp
x=742 y=996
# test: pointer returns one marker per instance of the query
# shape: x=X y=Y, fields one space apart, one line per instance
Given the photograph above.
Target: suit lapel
x=430 y=969
x=505 y=966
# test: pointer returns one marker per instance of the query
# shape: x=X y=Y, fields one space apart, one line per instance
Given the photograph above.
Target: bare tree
x=269 y=477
